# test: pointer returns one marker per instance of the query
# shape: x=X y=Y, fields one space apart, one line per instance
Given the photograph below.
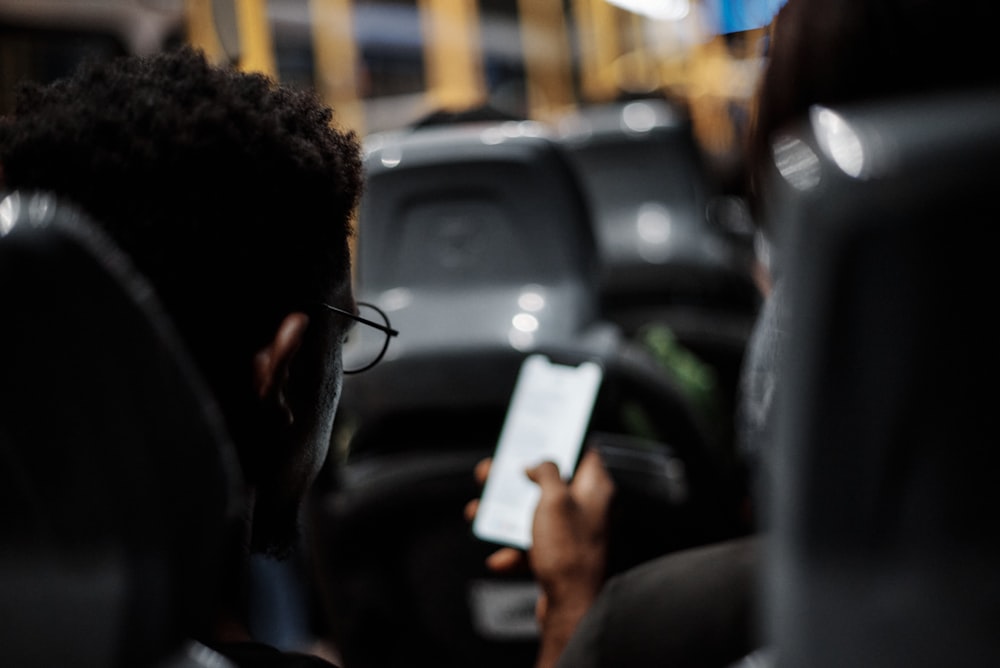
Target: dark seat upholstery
x=474 y=237
x=668 y=256
x=885 y=541
x=460 y=223
x=117 y=481
x=477 y=241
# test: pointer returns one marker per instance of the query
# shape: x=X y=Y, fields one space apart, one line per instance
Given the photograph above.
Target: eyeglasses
x=365 y=348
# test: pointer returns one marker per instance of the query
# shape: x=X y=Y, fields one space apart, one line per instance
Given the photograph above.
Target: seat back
x=884 y=540
x=668 y=254
x=474 y=238
x=651 y=192
x=464 y=226
x=117 y=481
x=477 y=240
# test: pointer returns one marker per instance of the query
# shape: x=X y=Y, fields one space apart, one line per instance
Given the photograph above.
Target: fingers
x=544 y=474
x=592 y=485
x=505 y=559
x=590 y=464
x=470 y=510
x=482 y=470
x=541 y=608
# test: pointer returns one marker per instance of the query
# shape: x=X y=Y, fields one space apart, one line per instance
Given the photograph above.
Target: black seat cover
x=117 y=481
x=885 y=544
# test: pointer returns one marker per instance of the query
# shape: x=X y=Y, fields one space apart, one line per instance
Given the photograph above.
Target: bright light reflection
x=796 y=162
x=39 y=209
x=372 y=143
x=525 y=322
x=654 y=227
x=513 y=129
x=639 y=117
x=838 y=141
x=531 y=301
x=492 y=136
x=665 y=10
x=392 y=156
x=7 y=214
x=576 y=128
x=521 y=340
x=395 y=299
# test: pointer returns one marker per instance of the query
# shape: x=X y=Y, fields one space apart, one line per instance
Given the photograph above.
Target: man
x=234 y=197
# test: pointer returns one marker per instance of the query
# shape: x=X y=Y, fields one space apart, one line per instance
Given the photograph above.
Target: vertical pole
x=597 y=30
x=545 y=41
x=256 y=47
x=201 y=32
x=336 y=61
x=452 y=54
x=642 y=75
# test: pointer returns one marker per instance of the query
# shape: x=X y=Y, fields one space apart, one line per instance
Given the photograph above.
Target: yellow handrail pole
x=545 y=41
x=597 y=29
x=256 y=47
x=452 y=54
x=335 y=53
x=709 y=96
x=335 y=59
x=640 y=74
x=201 y=32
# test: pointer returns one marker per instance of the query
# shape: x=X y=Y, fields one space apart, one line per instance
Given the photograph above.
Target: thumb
x=505 y=560
x=544 y=474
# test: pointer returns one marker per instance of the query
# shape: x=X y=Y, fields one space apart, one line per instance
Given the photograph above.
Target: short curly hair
x=234 y=195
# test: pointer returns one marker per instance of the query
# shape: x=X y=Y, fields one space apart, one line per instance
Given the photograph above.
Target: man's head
x=235 y=197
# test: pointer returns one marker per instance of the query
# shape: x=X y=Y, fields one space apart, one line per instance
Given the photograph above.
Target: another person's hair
x=232 y=194
x=836 y=52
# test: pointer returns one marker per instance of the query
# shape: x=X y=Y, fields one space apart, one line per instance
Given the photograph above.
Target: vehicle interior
x=580 y=201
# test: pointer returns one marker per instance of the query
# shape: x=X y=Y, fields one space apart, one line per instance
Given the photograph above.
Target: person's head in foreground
x=234 y=197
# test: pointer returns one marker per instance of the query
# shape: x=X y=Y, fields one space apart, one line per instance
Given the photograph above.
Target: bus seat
x=117 y=480
x=668 y=254
x=474 y=238
x=463 y=226
x=885 y=544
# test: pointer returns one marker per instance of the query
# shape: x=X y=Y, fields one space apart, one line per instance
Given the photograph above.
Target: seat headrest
x=884 y=540
x=118 y=483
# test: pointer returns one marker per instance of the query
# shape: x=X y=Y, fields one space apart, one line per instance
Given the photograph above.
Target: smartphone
x=546 y=419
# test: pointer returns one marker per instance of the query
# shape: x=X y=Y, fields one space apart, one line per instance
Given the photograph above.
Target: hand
x=569 y=546
x=506 y=559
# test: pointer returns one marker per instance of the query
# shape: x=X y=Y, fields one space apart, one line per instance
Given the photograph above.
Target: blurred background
x=384 y=64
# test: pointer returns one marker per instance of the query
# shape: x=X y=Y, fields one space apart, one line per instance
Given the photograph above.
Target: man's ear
x=272 y=362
